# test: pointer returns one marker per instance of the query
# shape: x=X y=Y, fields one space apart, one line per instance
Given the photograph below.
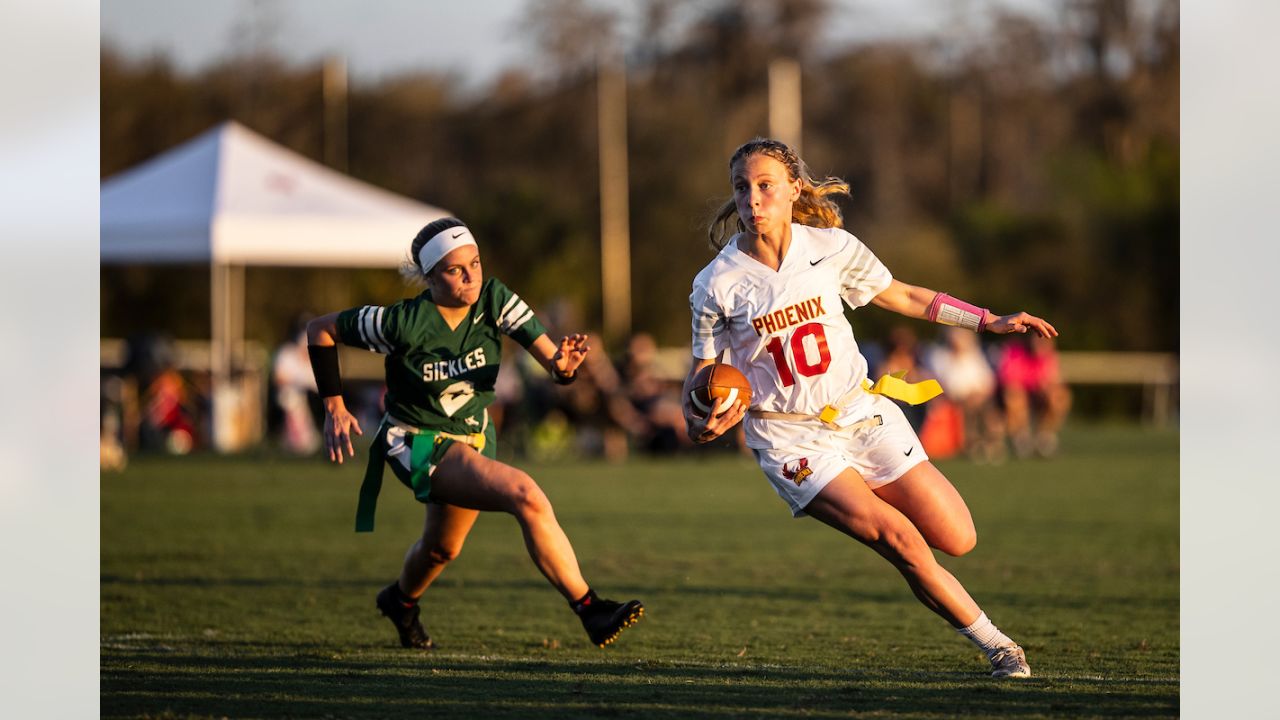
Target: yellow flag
x=896 y=387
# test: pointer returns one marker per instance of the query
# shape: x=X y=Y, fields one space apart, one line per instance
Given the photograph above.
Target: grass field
x=235 y=587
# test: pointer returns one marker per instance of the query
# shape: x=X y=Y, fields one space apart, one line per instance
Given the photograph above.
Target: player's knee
x=527 y=499
x=906 y=550
x=443 y=554
x=959 y=542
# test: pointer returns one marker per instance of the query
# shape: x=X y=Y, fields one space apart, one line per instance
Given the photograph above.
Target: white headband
x=443 y=243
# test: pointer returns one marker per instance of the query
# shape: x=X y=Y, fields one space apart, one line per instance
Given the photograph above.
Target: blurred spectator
x=1034 y=397
x=169 y=406
x=969 y=383
x=522 y=399
x=593 y=416
x=508 y=391
x=902 y=352
x=168 y=412
x=656 y=400
x=294 y=390
x=111 y=451
x=366 y=400
x=599 y=410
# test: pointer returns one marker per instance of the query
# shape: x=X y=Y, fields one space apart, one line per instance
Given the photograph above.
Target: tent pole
x=235 y=317
x=219 y=356
x=249 y=413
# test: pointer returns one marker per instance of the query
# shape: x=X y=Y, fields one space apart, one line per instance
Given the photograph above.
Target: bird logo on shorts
x=801 y=471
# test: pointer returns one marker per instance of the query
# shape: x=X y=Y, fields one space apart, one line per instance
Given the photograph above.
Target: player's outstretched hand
x=572 y=351
x=717 y=423
x=1020 y=323
x=338 y=426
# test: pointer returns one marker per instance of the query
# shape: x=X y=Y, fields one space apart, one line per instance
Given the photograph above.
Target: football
x=716 y=381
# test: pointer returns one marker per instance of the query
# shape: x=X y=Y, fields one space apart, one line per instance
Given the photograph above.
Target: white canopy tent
x=232 y=198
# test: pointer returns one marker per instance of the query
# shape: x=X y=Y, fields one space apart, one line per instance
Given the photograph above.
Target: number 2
x=801 y=353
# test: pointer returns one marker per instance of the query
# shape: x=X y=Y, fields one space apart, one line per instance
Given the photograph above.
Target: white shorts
x=879 y=454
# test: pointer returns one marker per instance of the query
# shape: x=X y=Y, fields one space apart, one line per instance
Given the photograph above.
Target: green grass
x=235 y=587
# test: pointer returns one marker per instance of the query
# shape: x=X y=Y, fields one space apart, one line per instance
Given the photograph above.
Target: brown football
x=716 y=381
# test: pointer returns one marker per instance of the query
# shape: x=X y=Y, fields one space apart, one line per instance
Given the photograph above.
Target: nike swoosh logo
x=824 y=257
x=913 y=447
x=455 y=237
x=479 y=316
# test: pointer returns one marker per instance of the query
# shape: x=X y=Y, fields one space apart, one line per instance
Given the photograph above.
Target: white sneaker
x=1010 y=662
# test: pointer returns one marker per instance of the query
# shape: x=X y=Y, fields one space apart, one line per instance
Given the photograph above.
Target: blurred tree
x=571 y=36
x=1021 y=161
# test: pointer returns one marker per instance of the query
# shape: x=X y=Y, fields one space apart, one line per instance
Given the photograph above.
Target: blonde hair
x=813 y=207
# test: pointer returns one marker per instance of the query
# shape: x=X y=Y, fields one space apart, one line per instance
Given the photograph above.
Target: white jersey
x=786 y=330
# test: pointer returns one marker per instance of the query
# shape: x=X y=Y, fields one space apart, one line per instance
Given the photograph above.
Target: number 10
x=800 y=353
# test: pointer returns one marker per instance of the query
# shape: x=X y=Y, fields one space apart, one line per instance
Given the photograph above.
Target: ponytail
x=814 y=208
x=724 y=225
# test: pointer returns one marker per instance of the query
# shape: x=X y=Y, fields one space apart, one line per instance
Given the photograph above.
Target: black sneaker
x=604 y=620
x=412 y=634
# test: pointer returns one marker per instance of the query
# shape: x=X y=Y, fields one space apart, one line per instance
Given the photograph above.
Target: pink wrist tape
x=950 y=311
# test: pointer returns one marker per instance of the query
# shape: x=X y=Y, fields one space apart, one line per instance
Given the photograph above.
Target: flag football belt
x=420 y=466
x=475 y=440
x=891 y=386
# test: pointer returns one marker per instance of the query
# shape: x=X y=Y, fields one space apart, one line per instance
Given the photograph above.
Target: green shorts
x=413 y=456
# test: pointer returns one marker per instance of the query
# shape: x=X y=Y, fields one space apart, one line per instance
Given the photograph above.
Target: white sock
x=986 y=635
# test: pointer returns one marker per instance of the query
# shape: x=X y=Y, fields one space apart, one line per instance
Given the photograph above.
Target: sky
x=477 y=39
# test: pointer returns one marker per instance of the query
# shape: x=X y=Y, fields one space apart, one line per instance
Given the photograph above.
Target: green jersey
x=440 y=378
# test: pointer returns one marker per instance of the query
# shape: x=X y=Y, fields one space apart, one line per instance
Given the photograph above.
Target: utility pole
x=335 y=112
x=615 y=235
x=784 y=102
